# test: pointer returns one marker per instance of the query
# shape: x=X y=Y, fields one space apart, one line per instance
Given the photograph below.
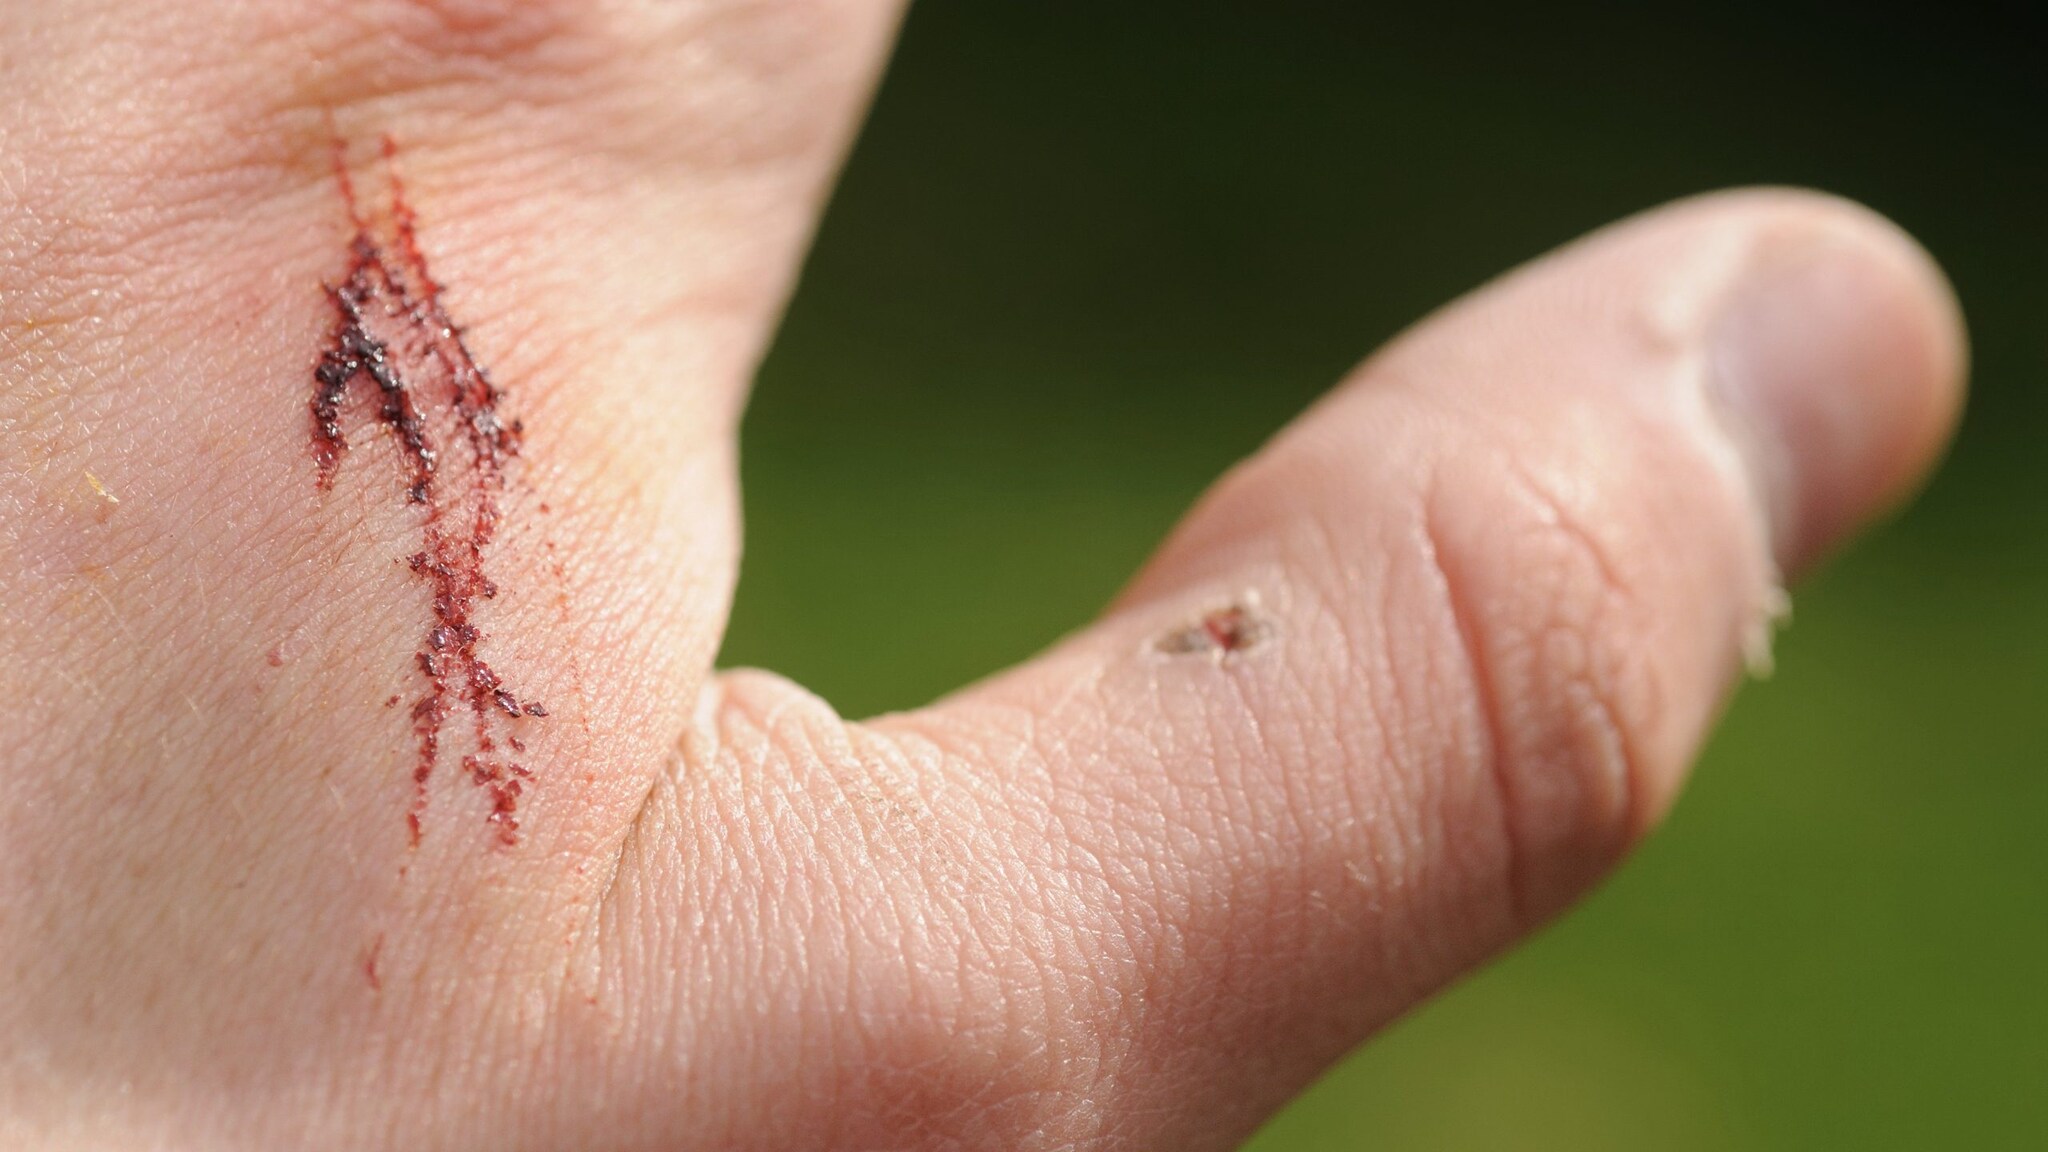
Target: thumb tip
x=1842 y=352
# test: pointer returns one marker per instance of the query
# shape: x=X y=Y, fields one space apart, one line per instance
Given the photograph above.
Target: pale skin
x=1116 y=898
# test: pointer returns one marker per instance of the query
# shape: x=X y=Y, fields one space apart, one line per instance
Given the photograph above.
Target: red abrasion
x=1229 y=629
x=1220 y=633
x=393 y=334
x=370 y=972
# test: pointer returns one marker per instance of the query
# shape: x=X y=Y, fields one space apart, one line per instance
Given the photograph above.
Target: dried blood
x=394 y=343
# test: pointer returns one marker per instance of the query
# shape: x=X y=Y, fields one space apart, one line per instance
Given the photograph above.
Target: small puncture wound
x=392 y=333
x=1220 y=633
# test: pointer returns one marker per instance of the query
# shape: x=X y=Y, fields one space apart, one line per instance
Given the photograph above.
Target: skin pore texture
x=365 y=782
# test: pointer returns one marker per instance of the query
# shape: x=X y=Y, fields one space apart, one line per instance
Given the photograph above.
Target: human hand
x=1401 y=687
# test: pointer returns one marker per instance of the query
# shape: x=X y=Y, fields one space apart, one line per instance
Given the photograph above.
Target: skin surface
x=1121 y=897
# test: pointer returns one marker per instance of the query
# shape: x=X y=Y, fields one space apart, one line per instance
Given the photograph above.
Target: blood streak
x=392 y=335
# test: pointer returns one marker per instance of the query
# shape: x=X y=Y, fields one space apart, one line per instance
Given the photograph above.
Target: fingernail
x=1835 y=358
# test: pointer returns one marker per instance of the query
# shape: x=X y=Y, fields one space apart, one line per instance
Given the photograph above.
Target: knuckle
x=1549 y=593
x=172 y=125
x=369 y=52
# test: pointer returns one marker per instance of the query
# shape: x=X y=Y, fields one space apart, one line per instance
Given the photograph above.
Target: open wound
x=396 y=364
x=1221 y=632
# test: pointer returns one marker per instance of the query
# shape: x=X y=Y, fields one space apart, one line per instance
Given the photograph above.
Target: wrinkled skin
x=1116 y=898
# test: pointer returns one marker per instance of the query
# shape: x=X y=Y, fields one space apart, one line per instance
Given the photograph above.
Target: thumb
x=1412 y=677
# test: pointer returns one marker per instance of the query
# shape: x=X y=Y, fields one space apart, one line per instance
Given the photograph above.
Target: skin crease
x=1113 y=899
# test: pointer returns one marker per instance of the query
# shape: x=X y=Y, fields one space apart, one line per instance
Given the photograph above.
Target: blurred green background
x=1087 y=254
